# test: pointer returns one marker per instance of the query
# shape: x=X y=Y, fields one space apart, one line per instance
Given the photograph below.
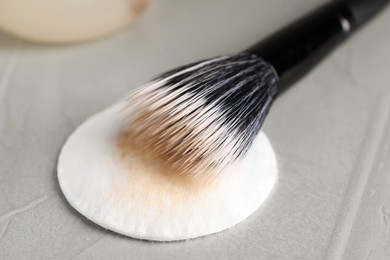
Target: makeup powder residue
x=172 y=141
x=147 y=175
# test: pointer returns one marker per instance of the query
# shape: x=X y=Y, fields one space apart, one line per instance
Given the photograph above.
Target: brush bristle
x=204 y=116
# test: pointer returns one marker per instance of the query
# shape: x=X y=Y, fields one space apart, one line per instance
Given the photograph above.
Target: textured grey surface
x=330 y=134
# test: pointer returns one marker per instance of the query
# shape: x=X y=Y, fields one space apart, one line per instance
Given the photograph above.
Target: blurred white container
x=65 y=21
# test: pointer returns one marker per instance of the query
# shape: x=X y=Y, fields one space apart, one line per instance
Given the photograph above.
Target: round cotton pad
x=127 y=193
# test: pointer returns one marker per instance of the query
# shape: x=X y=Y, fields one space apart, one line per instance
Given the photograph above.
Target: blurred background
x=330 y=132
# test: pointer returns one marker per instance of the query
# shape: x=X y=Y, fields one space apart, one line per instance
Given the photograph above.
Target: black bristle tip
x=243 y=87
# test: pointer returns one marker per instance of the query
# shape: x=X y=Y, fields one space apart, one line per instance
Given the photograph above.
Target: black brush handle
x=363 y=10
x=296 y=49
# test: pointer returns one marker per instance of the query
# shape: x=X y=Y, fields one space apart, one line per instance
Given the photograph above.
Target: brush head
x=201 y=117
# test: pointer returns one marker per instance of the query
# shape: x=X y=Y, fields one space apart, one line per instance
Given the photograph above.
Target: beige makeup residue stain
x=159 y=184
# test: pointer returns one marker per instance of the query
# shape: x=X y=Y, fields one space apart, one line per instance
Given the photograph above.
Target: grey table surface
x=330 y=134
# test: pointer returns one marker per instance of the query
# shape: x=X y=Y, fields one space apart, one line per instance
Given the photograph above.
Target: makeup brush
x=201 y=117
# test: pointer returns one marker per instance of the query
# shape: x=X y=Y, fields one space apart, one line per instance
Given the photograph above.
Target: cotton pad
x=128 y=193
